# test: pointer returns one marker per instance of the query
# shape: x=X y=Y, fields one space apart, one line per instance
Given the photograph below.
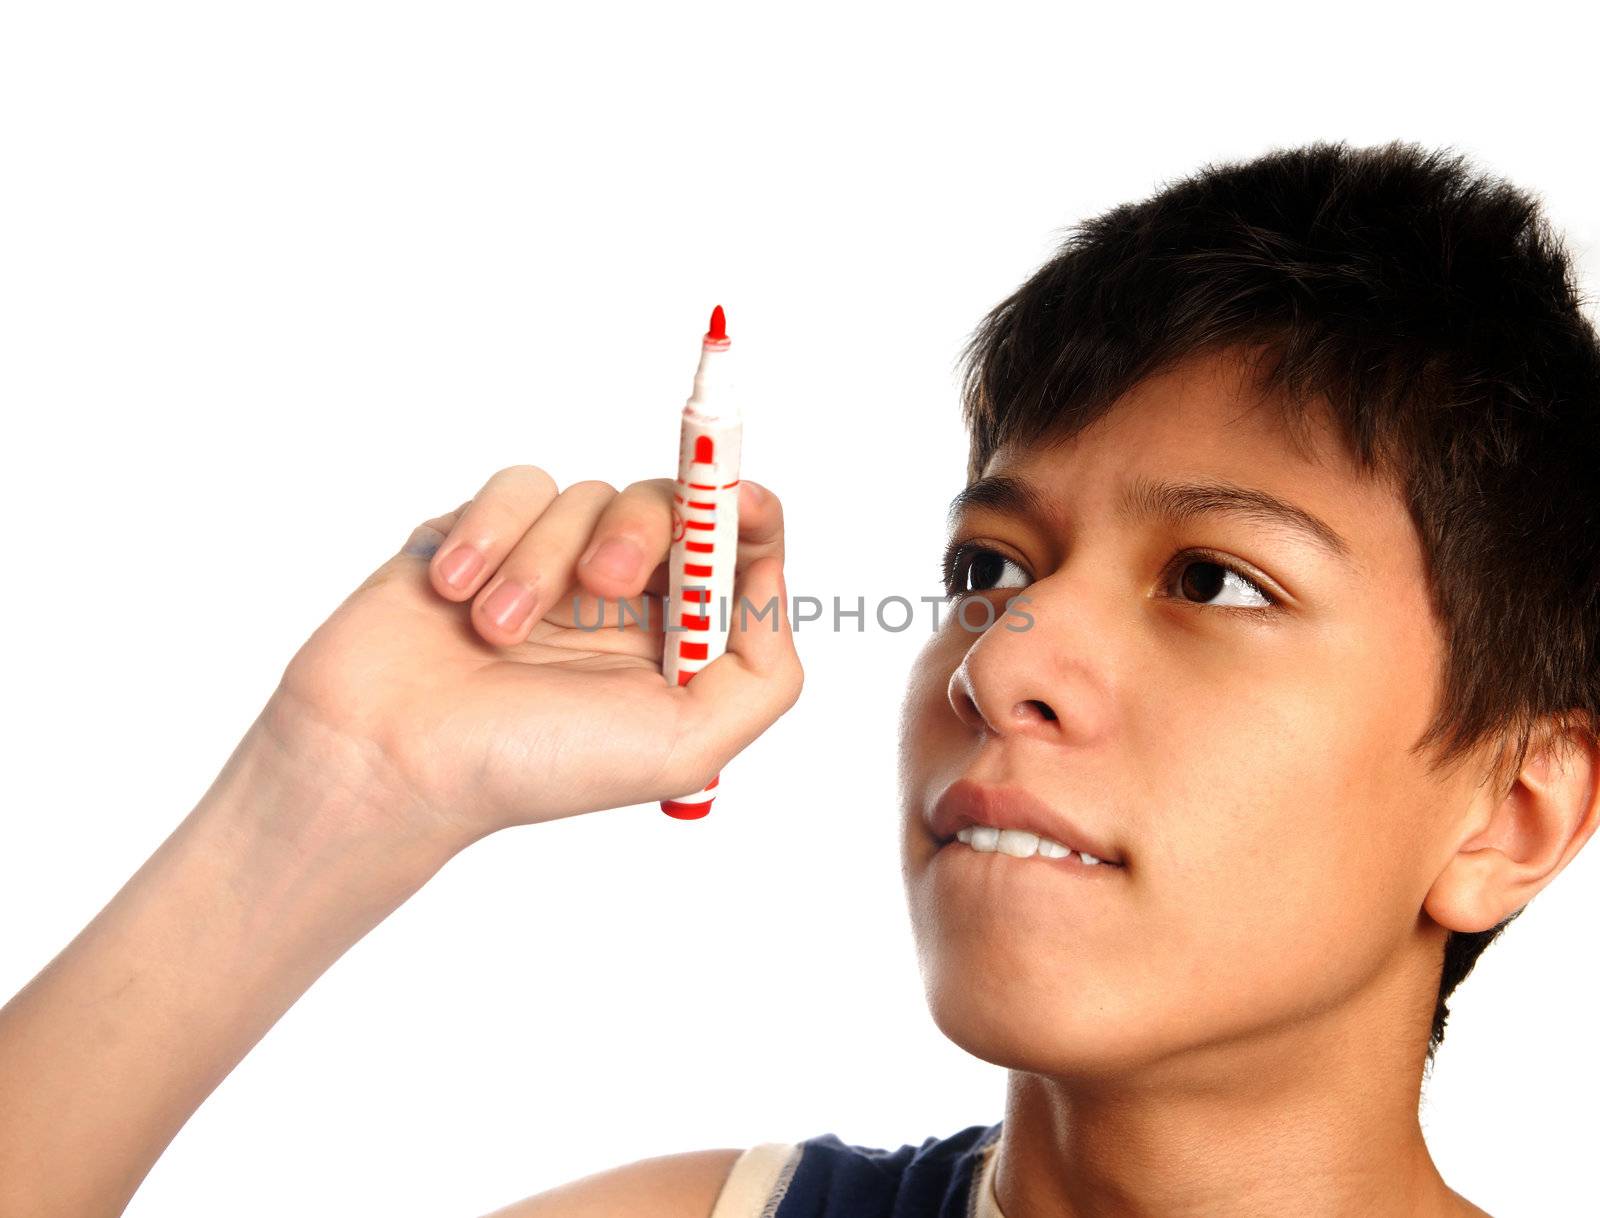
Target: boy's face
x=1251 y=772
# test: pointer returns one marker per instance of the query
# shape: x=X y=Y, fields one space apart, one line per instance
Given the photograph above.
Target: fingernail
x=617 y=557
x=758 y=496
x=460 y=566
x=509 y=605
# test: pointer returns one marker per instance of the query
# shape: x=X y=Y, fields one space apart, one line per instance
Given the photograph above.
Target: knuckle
x=426 y=539
x=492 y=526
x=649 y=500
x=445 y=522
x=648 y=486
x=643 y=522
x=772 y=511
x=532 y=477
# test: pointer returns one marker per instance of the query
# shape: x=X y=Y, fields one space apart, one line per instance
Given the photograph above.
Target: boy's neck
x=1318 y=1119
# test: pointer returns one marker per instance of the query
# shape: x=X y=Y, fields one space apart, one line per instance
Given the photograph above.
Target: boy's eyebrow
x=1172 y=502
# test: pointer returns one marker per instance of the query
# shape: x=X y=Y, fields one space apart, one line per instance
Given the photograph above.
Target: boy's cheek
x=1279 y=933
x=926 y=705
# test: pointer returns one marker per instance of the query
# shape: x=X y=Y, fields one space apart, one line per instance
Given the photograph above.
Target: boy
x=1198 y=861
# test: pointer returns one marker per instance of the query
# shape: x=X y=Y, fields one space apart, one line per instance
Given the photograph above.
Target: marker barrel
x=705 y=542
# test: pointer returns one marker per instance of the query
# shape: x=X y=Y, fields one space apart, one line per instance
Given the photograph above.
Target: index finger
x=639 y=522
x=631 y=538
x=760 y=523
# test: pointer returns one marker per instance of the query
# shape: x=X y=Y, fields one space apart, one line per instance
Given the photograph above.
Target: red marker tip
x=719 y=327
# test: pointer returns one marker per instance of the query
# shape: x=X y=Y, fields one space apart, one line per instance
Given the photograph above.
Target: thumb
x=741 y=693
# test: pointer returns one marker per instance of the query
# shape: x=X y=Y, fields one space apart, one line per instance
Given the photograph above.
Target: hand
x=474 y=718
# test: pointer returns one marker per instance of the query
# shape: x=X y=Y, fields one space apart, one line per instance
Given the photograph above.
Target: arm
x=413 y=722
x=683 y=1185
x=111 y=1048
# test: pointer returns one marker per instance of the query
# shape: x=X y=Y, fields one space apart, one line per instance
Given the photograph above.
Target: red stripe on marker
x=702 y=486
x=699 y=547
x=691 y=568
x=692 y=651
x=700 y=524
x=710 y=507
x=726 y=485
x=684 y=677
x=689 y=622
x=697 y=594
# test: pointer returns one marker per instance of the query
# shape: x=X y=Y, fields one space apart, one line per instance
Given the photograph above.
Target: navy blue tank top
x=933 y=1180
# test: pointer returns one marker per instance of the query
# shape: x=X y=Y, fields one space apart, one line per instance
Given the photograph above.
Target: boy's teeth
x=1018 y=843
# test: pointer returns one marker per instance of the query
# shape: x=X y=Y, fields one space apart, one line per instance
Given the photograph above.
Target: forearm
x=111 y=1048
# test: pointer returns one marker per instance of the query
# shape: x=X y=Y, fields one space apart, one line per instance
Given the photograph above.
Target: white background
x=278 y=282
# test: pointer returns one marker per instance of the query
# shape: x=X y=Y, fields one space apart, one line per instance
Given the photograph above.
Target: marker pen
x=705 y=534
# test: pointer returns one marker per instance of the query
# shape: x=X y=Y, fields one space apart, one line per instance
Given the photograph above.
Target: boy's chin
x=1050 y=1021
x=1080 y=1049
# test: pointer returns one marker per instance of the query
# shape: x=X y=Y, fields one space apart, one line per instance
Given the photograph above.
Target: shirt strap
x=759 y=1178
x=985 y=1203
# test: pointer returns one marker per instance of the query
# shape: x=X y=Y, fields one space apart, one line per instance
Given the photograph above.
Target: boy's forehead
x=1199 y=437
x=1205 y=406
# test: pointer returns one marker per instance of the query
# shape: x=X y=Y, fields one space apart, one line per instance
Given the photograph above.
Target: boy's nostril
x=1043 y=708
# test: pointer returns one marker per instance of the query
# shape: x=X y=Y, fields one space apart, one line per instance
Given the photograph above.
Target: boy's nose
x=1001 y=705
x=1051 y=681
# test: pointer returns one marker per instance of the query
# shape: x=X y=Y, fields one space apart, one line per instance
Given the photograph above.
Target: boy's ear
x=1527 y=835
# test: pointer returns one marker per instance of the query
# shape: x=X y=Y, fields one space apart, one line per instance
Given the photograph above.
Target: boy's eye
x=973 y=568
x=968 y=568
x=1216 y=577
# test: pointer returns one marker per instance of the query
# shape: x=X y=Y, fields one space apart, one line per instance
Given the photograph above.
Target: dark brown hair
x=1431 y=313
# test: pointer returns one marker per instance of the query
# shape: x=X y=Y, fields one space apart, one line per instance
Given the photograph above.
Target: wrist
x=307 y=830
x=313 y=788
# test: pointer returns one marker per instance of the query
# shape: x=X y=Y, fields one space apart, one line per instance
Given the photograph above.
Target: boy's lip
x=969 y=802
